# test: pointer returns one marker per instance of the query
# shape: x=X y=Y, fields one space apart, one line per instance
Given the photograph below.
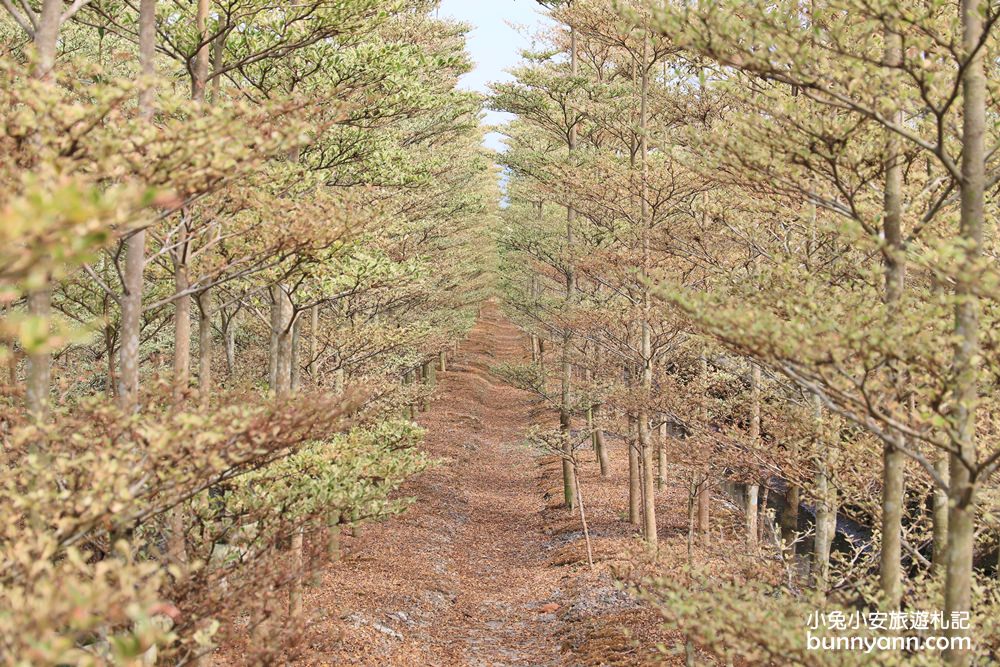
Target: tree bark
x=314 y=345
x=430 y=378
x=565 y=416
x=661 y=457
x=200 y=73
x=283 y=366
x=47 y=37
x=131 y=305
x=182 y=328
x=135 y=250
x=939 y=556
x=599 y=445
x=634 y=485
x=704 y=484
x=39 y=362
x=204 y=347
x=961 y=483
x=826 y=507
x=753 y=489
x=277 y=296
x=230 y=338
x=893 y=463
x=296 y=374
x=645 y=436
x=40 y=299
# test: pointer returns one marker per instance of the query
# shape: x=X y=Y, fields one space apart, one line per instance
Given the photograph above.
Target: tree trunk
x=704 y=488
x=565 y=417
x=890 y=558
x=135 y=251
x=961 y=483
x=314 y=345
x=39 y=362
x=230 y=338
x=430 y=378
x=826 y=507
x=661 y=457
x=753 y=489
x=39 y=300
x=535 y=348
x=939 y=556
x=646 y=351
x=200 y=74
x=47 y=37
x=704 y=506
x=131 y=305
x=634 y=488
x=790 y=516
x=296 y=371
x=109 y=350
x=277 y=297
x=182 y=329
x=283 y=369
x=205 y=347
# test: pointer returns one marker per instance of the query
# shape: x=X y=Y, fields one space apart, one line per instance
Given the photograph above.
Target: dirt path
x=487 y=568
x=462 y=578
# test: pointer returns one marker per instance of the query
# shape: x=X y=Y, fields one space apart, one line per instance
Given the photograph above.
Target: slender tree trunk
x=135 y=251
x=176 y=541
x=283 y=369
x=533 y=337
x=565 y=415
x=704 y=484
x=634 y=472
x=39 y=362
x=199 y=80
x=182 y=327
x=753 y=489
x=131 y=305
x=939 y=557
x=704 y=506
x=40 y=299
x=314 y=345
x=295 y=370
x=430 y=379
x=890 y=558
x=597 y=438
x=661 y=457
x=205 y=347
x=277 y=297
x=764 y=521
x=961 y=483
x=230 y=338
x=645 y=436
x=600 y=447
x=826 y=506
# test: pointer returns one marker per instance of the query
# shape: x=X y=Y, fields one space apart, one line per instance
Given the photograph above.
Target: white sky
x=494 y=45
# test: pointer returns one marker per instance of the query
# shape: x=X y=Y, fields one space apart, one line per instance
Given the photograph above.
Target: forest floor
x=486 y=568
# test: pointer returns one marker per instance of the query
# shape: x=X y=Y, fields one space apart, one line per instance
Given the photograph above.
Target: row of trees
x=235 y=232
x=761 y=229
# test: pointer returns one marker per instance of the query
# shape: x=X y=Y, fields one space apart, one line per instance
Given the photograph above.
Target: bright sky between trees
x=502 y=28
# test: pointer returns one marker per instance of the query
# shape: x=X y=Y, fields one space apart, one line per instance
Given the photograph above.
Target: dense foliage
x=761 y=229
x=289 y=198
